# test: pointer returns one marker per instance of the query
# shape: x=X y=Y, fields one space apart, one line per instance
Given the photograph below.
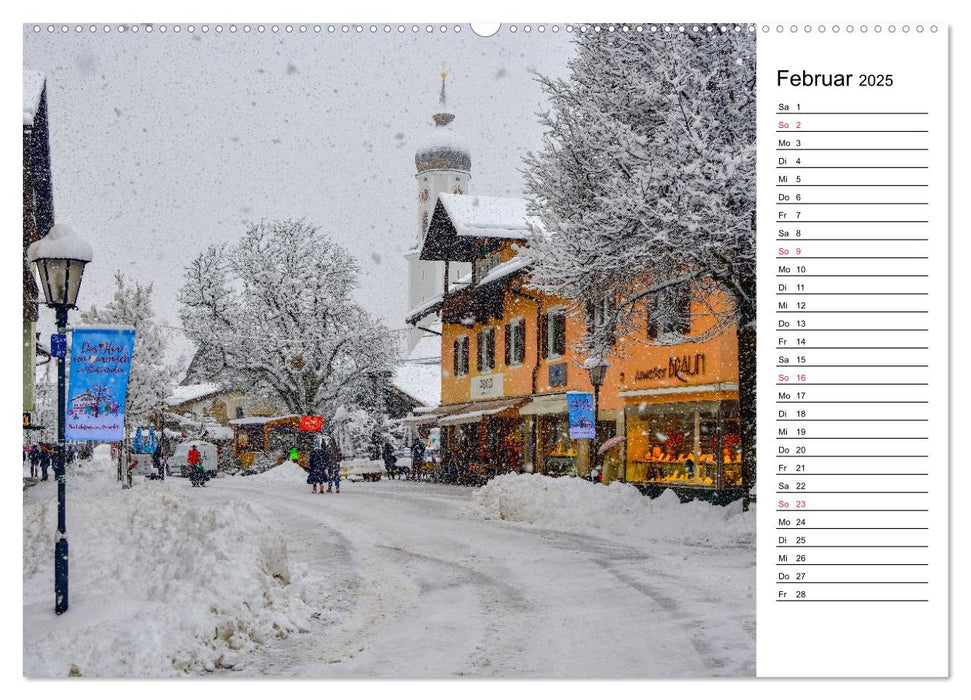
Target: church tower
x=443 y=165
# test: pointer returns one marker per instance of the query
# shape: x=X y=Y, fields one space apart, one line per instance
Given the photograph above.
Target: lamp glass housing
x=60 y=278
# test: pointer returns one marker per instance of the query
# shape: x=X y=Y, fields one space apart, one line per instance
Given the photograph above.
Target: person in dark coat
x=317 y=469
x=34 y=458
x=417 y=457
x=333 y=464
x=45 y=462
x=157 y=462
x=390 y=463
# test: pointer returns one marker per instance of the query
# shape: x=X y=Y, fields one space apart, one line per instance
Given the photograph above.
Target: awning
x=540 y=405
x=479 y=409
x=420 y=419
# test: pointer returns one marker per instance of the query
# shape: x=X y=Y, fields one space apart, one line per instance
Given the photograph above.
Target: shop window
x=690 y=444
x=559 y=450
x=460 y=356
x=669 y=312
x=515 y=342
x=486 y=350
x=553 y=333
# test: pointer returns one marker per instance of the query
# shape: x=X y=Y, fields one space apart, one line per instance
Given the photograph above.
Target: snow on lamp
x=60 y=257
x=597 y=368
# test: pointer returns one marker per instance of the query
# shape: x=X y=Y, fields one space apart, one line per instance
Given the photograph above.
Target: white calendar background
x=853 y=359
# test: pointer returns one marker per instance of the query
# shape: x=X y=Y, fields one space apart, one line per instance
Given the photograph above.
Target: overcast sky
x=164 y=143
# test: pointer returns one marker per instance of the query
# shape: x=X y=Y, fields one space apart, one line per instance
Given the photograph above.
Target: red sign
x=312 y=423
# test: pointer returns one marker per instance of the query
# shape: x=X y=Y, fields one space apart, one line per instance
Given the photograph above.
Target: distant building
x=208 y=400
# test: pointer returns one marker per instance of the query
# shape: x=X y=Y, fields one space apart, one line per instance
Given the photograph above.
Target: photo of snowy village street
x=380 y=352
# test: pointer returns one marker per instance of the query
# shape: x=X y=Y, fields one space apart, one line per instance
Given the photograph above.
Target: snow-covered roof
x=428 y=348
x=491 y=217
x=258 y=420
x=33 y=89
x=218 y=432
x=422 y=382
x=424 y=308
x=191 y=392
x=505 y=269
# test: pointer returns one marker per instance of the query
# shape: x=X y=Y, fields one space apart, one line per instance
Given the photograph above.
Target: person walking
x=34 y=458
x=157 y=462
x=197 y=474
x=293 y=455
x=317 y=469
x=45 y=462
x=390 y=463
x=417 y=457
x=333 y=464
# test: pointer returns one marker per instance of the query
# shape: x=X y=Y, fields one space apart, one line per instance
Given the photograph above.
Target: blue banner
x=579 y=404
x=100 y=363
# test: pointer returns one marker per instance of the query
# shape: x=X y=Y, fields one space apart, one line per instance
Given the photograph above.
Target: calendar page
x=533 y=350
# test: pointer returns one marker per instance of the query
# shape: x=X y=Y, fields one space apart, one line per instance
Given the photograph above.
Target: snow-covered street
x=258 y=576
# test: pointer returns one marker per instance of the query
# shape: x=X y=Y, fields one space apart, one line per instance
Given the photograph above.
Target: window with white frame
x=460 y=356
x=553 y=332
x=486 y=350
x=515 y=342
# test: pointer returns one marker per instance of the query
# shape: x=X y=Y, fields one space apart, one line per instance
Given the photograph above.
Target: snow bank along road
x=402 y=579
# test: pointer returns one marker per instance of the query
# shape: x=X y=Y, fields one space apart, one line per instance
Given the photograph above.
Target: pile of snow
x=286 y=473
x=160 y=586
x=619 y=509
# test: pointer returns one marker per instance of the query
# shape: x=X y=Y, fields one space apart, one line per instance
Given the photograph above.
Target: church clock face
x=423 y=197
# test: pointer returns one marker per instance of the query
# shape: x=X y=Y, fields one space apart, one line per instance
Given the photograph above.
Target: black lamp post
x=597 y=369
x=60 y=258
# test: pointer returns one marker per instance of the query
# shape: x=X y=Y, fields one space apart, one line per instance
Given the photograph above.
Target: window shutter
x=456 y=360
x=507 y=341
x=544 y=333
x=465 y=354
x=559 y=339
x=478 y=352
x=491 y=349
x=520 y=331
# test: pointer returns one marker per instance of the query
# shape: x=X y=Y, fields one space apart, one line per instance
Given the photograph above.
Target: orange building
x=507 y=365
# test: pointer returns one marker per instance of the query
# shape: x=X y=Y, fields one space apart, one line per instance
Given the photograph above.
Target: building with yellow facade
x=508 y=364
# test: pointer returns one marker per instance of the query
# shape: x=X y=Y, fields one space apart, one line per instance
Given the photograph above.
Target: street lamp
x=597 y=369
x=60 y=257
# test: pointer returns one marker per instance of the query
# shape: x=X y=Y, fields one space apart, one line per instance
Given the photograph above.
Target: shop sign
x=579 y=406
x=311 y=423
x=558 y=374
x=487 y=386
x=100 y=363
x=679 y=367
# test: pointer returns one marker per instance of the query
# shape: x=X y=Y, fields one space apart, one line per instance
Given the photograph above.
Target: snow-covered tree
x=149 y=380
x=275 y=313
x=645 y=185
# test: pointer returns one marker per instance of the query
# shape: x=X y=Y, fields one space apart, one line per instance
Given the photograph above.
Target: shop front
x=692 y=445
x=483 y=437
x=549 y=449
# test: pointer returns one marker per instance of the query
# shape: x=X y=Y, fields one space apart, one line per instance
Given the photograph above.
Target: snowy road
x=420 y=587
x=527 y=577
